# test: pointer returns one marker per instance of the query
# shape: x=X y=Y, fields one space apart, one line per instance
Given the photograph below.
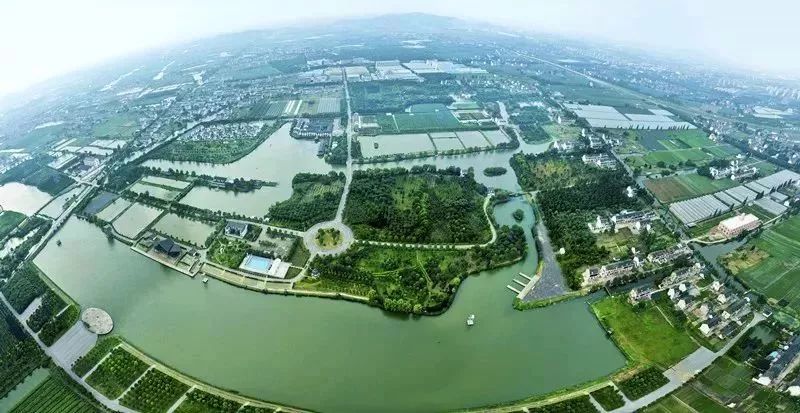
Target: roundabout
x=328 y=238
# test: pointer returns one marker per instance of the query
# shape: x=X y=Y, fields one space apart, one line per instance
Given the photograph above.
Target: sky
x=40 y=39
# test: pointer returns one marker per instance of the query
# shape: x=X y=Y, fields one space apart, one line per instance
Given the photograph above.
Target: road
x=348 y=170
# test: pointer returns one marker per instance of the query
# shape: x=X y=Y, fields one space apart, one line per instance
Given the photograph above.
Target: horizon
x=42 y=57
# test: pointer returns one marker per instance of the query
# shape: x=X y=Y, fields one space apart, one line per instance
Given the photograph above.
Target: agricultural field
x=680 y=187
x=770 y=264
x=165 y=182
x=135 y=219
x=24 y=287
x=645 y=335
x=562 y=131
x=184 y=230
x=113 y=209
x=417 y=206
x=609 y=398
x=474 y=139
x=728 y=379
x=116 y=373
x=156 y=392
x=41 y=176
x=686 y=400
x=315 y=198
x=90 y=359
x=642 y=383
x=8 y=221
x=121 y=126
x=55 y=395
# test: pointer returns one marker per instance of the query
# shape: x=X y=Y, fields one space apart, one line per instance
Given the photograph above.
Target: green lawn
x=775 y=272
x=644 y=335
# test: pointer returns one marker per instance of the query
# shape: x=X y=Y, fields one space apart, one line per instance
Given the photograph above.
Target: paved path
x=686 y=370
x=551 y=283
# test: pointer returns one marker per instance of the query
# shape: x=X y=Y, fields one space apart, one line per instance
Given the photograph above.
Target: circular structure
x=345 y=236
x=98 y=321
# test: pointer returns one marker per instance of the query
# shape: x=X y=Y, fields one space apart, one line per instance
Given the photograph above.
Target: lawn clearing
x=644 y=335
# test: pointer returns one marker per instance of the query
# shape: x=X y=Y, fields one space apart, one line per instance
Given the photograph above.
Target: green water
x=332 y=355
x=23 y=389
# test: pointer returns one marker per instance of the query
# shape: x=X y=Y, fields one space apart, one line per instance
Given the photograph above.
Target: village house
x=668 y=255
x=633 y=220
x=236 y=229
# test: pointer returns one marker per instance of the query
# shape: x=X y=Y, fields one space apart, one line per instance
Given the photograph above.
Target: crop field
x=686 y=400
x=773 y=266
x=430 y=121
x=54 y=396
x=119 y=127
x=728 y=379
x=677 y=188
x=183 y=229
x=171 y=183
x=395 y=144
x=645 y=336
x=676 y=156
x=135 y=220
x=495 y=136
x=116 y=373
x=154 y=191
x=112 y=210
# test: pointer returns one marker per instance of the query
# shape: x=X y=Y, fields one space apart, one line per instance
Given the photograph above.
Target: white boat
x=205 y=280
x=471 y=320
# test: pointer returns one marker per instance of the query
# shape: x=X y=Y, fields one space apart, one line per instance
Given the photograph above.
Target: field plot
x=686 y=400
x=770 y=264
x=429 y=121
x=250 y=204
x=55 y=396
x=171 y=183
x=156 y=392
x=728 y=379
x=133 y=221
x=678 y=188
x=195 y=232
x=119 y=126
x=113 y=210
x=645 y=336
x=159 y=192
x=473 y=139
x=116 y=373
x=446 y=144
x=496 y=137
x=382 y=145
x=562 y=132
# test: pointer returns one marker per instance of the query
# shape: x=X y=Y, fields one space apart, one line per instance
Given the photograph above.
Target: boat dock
x=527 y=283
x=513 y=289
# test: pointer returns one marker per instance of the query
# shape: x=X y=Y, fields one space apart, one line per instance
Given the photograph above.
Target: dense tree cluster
x=414 y=281
x=550 y=170
x=35 y=172
x=609 y=398
x=200 y=401
x=420 y=205
x=495 y=171
x=19 y=354
x=580 y=404
x=23 y=288
x=315 y=198
x=643 y=383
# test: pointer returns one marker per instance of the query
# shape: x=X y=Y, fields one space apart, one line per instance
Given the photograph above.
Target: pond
x=334 y=355
x=26 y=199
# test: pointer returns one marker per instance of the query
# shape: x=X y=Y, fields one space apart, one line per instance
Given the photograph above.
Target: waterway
x=22 y=198
x=331 y=355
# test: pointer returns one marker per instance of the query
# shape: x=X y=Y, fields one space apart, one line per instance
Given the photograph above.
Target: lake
x=26 y=199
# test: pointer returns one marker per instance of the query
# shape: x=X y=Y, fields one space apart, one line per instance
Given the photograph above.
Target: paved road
x=348 y=172
x=309 y=238
x=686 y=370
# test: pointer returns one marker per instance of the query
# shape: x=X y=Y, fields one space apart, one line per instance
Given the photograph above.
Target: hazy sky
x=43 y=38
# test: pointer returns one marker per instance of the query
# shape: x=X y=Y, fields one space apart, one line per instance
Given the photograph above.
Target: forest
x=550 y=170
x=419 y=281
x=315 y=198
x=19 y=354
x=420 y=205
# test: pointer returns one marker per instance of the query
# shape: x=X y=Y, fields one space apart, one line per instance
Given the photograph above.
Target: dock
x=521 y=284
x=513 y=289
x=526 y=277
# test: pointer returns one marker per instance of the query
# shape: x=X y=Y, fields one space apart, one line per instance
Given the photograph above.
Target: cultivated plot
x=382 y=145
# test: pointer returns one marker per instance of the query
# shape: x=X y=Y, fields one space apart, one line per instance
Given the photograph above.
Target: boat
x=58 y=242
x=205 y=280
x=471 y=320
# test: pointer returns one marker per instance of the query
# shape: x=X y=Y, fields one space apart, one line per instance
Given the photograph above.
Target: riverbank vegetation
x=23 y=288
x=19 y=353
x=116 y=373
x=580 y=404
x=419 y=281
x=608 y=397
x=198 y=401
x=315 y=198
x=643 y=332
x=156 y=392
x=420 y=205
x=8 y=221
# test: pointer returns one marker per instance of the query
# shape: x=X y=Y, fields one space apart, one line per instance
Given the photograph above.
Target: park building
x=733 y=227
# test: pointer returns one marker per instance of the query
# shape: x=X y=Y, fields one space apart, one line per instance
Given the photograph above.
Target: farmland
x=56 y=395
x=120 y=126
x=686 y=400
x=677 y=188
x=8 y=221
x=198 y=401
x=770 y=264
x=156 y=392
x=90 y=359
